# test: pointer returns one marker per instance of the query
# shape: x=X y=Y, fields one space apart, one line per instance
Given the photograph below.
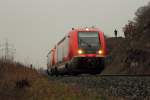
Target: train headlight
x=80 y=51
x=100 y=52
x=87 y=29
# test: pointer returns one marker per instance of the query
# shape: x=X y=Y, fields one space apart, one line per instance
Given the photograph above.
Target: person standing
x=116 y=33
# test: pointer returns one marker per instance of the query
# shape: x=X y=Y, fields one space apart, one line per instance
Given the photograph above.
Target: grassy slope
x=117 y=48
x=123 y=53
x=38 y=88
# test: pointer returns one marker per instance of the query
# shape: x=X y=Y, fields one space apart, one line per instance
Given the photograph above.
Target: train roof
x=85 y=29
x=75 y=30
x=51 y=50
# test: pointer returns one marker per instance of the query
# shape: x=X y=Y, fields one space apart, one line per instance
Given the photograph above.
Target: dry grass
x=18 y=82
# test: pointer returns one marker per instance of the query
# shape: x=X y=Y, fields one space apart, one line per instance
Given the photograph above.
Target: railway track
x=104 y=75
x=134 y=87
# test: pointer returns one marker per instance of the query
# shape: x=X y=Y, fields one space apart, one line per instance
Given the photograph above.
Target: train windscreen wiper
x=89 y=45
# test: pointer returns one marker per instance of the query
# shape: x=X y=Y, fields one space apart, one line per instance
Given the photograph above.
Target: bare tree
x=140 y=25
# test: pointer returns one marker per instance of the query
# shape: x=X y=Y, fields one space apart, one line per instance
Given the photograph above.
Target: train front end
x=90 y=53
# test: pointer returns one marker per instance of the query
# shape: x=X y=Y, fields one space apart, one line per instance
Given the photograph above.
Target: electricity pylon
x=7 y=51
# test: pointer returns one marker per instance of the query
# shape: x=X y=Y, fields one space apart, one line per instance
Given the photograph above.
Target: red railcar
x=80 y=51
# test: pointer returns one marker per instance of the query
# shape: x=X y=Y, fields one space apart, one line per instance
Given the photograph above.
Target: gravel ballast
x=129 y=87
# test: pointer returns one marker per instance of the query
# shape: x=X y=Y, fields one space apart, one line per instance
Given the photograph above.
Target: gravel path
x=131 y=88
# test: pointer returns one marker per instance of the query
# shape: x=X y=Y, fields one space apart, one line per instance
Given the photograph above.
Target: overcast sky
x=34 y=26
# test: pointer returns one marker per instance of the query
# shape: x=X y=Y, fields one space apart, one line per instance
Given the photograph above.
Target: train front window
x=89 y=41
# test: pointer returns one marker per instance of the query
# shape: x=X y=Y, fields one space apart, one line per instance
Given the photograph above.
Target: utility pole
x=7 y=51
